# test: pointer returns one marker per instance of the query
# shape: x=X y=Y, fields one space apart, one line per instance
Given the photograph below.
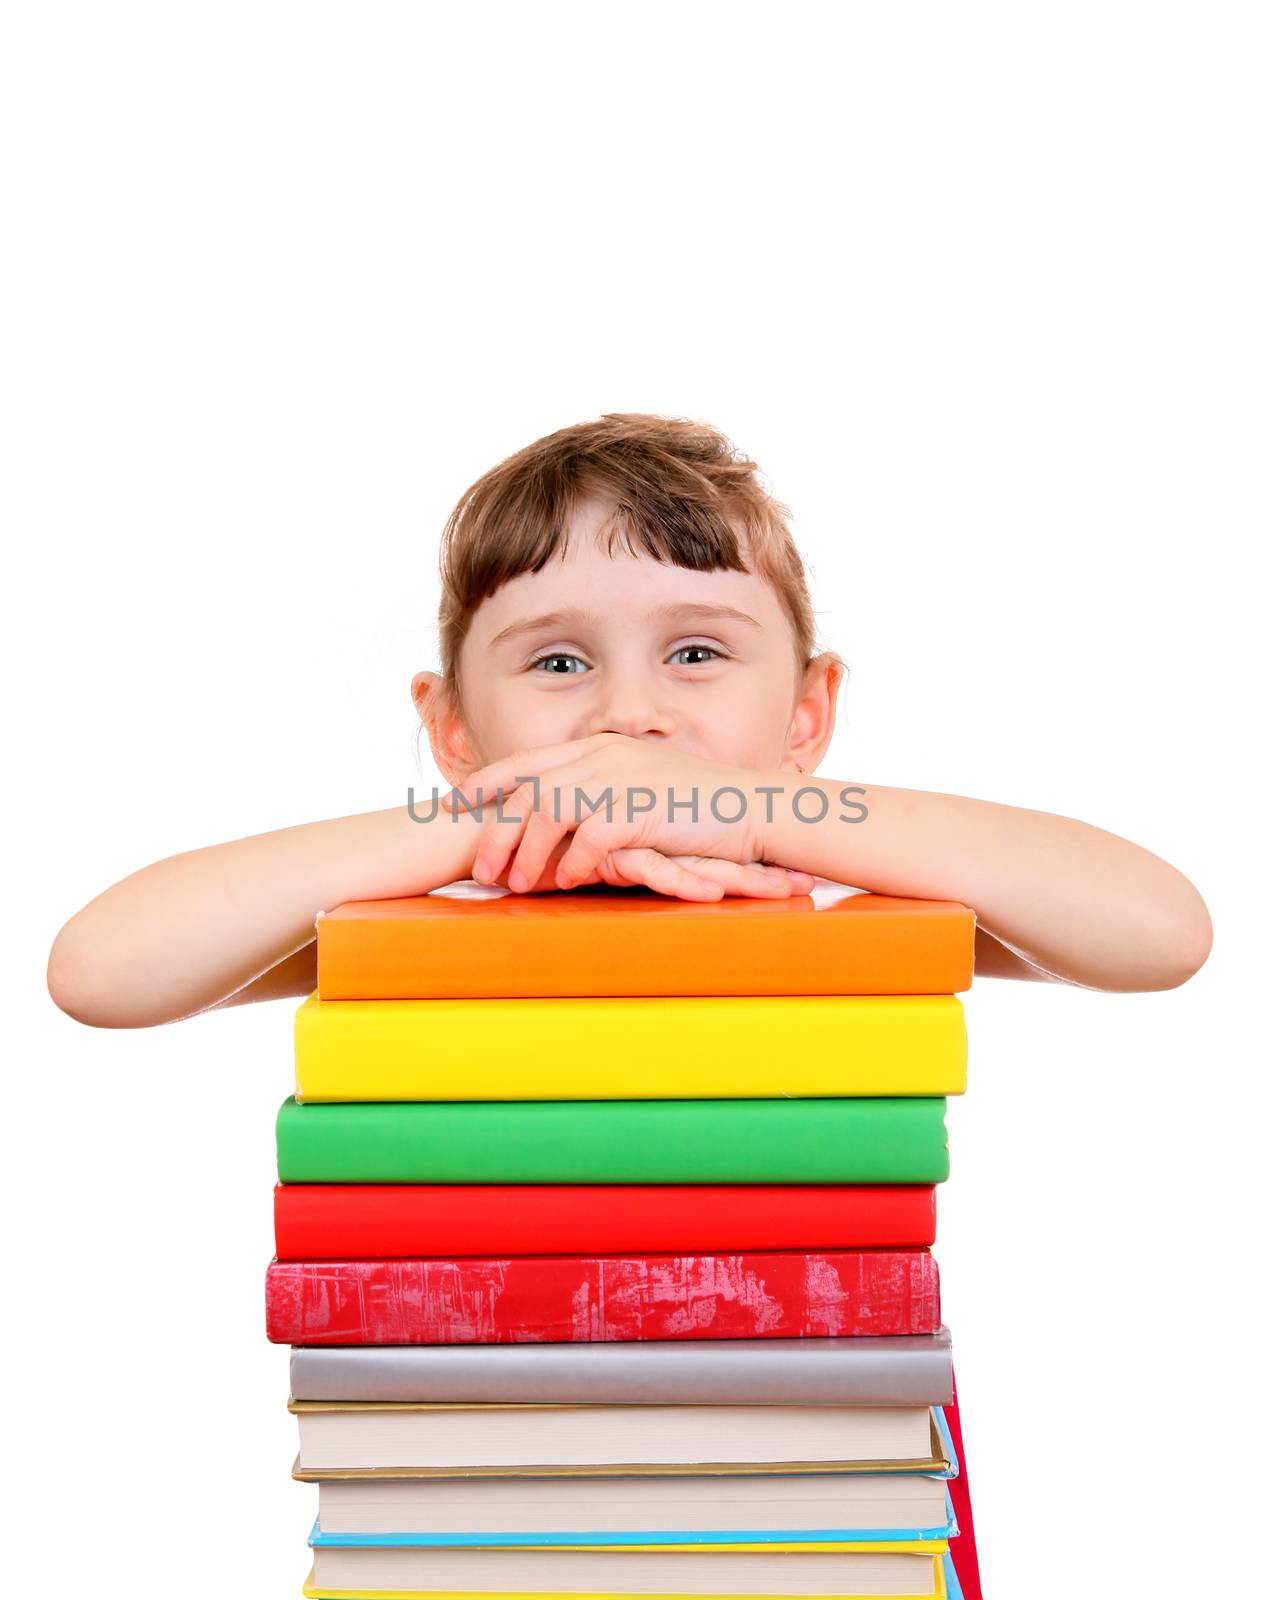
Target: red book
x=965 y=1546
x=560 y=1299
x=364 y=1221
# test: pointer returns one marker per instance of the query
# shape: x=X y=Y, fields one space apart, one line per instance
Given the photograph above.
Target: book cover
x=761 y=1295
x=898 y=1371
x=320 y=1221
x=681 y=1047
x=867 y=1140
x=453 y=944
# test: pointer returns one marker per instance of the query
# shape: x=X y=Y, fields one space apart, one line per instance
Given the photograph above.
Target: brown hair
x=683 y=492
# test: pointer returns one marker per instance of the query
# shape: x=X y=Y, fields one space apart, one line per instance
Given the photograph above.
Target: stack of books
x=602 y=1244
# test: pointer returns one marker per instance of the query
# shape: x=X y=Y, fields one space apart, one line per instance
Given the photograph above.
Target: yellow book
x=681 y=1047
x=871 y=1547
x=315 y=1592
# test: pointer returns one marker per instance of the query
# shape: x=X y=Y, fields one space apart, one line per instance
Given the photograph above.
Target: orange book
x=472 y=942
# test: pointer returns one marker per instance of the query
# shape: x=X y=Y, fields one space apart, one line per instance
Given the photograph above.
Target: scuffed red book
x=558 y=1299
x=356 y=1222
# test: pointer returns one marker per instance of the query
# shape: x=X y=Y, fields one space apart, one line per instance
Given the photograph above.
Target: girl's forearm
x=1080 y=904
x=186 y=932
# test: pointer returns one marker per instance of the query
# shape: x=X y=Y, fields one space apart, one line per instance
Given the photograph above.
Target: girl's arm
x=1055 y=899
x=234 y=922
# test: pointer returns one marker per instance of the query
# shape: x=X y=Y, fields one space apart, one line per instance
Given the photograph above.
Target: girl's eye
x=555 y=663
x=550 y=660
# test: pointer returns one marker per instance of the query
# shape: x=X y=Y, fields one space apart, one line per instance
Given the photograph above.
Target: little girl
x=629 y=694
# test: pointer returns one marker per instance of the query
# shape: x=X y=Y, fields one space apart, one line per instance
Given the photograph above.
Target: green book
x=614 y=1141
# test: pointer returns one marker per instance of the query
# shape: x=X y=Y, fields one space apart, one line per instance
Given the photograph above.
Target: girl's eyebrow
x=681 y=611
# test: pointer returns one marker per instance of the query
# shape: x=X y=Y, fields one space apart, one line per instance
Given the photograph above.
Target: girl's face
x=620 y=643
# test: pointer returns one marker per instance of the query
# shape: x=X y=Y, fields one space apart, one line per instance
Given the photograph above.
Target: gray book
x=911 y=1371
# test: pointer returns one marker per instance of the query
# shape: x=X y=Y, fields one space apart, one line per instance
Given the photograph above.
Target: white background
x=980 y=287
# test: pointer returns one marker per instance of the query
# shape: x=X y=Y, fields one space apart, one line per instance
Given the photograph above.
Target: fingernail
x=518 y=880
x=480 y=870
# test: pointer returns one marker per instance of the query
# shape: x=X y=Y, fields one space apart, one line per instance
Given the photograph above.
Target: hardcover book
x=450 y=1440
x=366 y=1431
x=469 y=942
x=326 y=1221
x=680 y=1047
x=632 y=1510
x=967 y=1582
x=534 y=1299
x=866 y=1140
x=897 y=1371
x=376 y=1574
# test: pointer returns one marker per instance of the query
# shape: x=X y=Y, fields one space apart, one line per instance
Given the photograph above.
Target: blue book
x=951 y=1469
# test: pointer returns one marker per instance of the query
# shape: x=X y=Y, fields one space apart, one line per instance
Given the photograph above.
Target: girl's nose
x=634 y=727
x=631 y=712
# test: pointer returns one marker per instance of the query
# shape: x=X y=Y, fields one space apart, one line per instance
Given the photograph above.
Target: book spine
x=877 y=947
x=678 y=1047
x=581 y=1299
x=864 y=1371
x=831 y=1141
x=321 y=1222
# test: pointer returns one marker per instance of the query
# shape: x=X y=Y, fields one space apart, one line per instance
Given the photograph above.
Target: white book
x=474 y=1506
x=371 y=1437
x=379 y=1570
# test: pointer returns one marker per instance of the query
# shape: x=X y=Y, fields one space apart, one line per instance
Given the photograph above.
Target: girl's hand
x=687 y=877
x=573 y=780
x=701 y=877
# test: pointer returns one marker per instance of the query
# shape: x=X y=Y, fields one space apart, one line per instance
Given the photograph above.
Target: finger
x=506 y=773
x=755 y=879
x=752 y=879
x=559 y=810
x=538 y=839
x=664 y=874
x=799 y=882
x=498 y=838
x=593 y=839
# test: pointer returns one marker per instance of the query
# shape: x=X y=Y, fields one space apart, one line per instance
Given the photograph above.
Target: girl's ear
x=814 y=715
x=449 y=743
